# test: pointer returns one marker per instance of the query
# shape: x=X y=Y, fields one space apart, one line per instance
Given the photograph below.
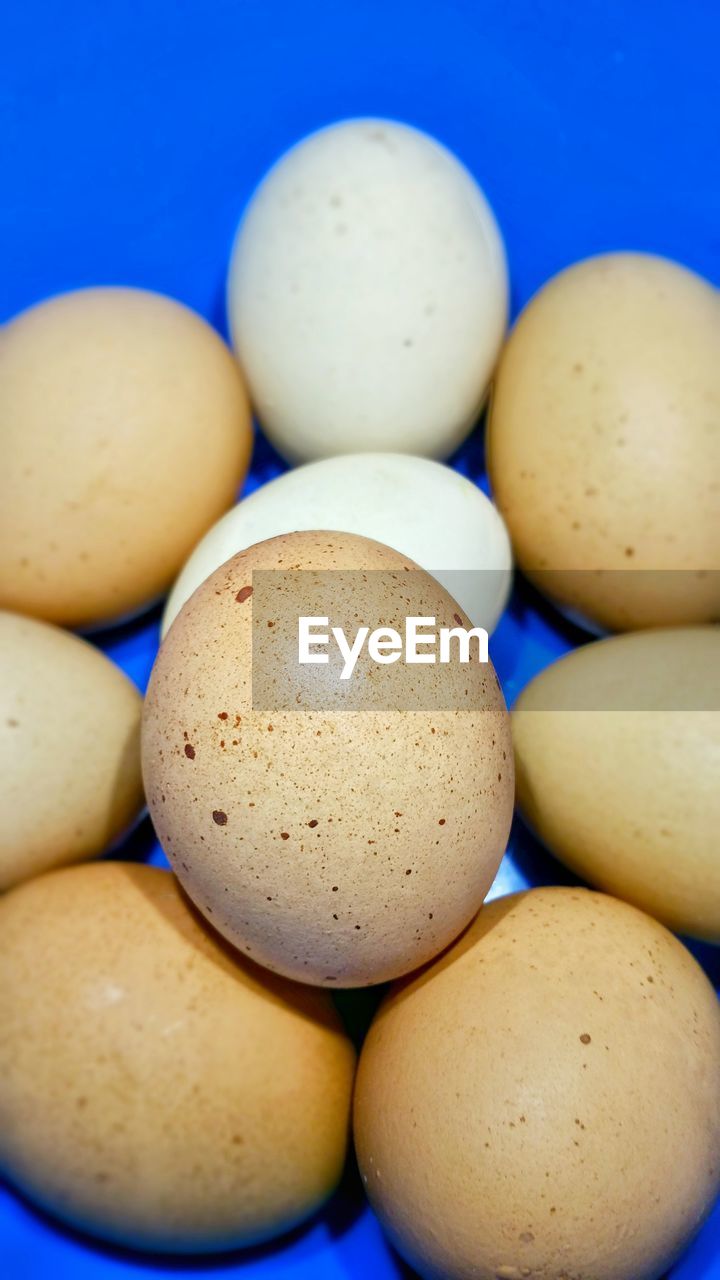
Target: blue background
x=132 y=134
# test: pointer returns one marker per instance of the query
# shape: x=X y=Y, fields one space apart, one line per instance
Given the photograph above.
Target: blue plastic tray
x=130 y=139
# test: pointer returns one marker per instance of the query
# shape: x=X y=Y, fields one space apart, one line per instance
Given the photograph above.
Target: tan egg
x=155 y=1088
x=125 y=432
x=340 y=839
x=617 y=749
x=604 y=442
x=70 y=781
x=542 y=1100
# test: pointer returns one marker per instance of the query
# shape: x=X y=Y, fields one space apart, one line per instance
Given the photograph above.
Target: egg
x=427 y=511
x=125 y=433
x=604 y=442
x=617 y=748
x=156 y=1089
x=367 y=294
x=338 y=831
x=543 y=1099
x=70 y=781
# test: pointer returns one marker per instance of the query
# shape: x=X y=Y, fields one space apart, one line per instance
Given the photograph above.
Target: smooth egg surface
x=125 y=433
x=423 y=509
x=543 y=1099
x=368 y=294
x=604 y=442
x=156 y=1089
x=617 y=750
x=70 y=781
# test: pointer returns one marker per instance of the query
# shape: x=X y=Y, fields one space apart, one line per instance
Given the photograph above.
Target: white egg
x=368 y=294
x=423 y=509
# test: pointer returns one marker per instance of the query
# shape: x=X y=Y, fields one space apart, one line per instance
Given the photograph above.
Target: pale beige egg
x=543 y=1099
x=341 y=832
x=604 y=442
x=155 y=1088
x=617 y=749
x=367 y=294
x=70 y=781
x=125 y=432
x=442 y=520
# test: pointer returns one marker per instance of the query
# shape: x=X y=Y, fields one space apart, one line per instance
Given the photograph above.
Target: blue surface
x=132 y=135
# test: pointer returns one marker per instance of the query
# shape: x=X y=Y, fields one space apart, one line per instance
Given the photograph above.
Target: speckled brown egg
x=156 y=1089
x=617 y=749
x=125 y=432
x=542 y=1101
x=70 y=780
x=339 y=842
x=604 y=442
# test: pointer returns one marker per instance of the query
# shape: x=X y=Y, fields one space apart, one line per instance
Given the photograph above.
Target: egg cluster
x=537 y=1095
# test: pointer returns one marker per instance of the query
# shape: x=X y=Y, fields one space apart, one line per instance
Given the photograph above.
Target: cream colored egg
x=604 y=442
x=340 y=833
x=542 y=1101
x=155 y=1088
x=617 y=749
x=124 y=433
x=423 y=509
x=70 y=780
x=368 y=294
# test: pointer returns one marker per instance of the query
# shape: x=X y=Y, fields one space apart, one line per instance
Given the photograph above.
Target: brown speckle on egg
x=301 y=762
x=493 y=1022
x=579 y=498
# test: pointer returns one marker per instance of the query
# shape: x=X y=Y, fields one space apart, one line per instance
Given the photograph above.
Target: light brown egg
x=124 y=432
x=155 y=1088
x=70 y=780
x=338 y=842
x=617 y=749
x=604 y=442
x=542 y=1101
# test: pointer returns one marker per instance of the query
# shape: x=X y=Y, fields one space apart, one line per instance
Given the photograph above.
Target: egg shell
x=340 y=847
x=423 y=509
x=604 y=442
x=156 y=1089
x=125 y=433
x=70 y=781
x=617 y=749
x=543 y=1099
x=367 y=294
